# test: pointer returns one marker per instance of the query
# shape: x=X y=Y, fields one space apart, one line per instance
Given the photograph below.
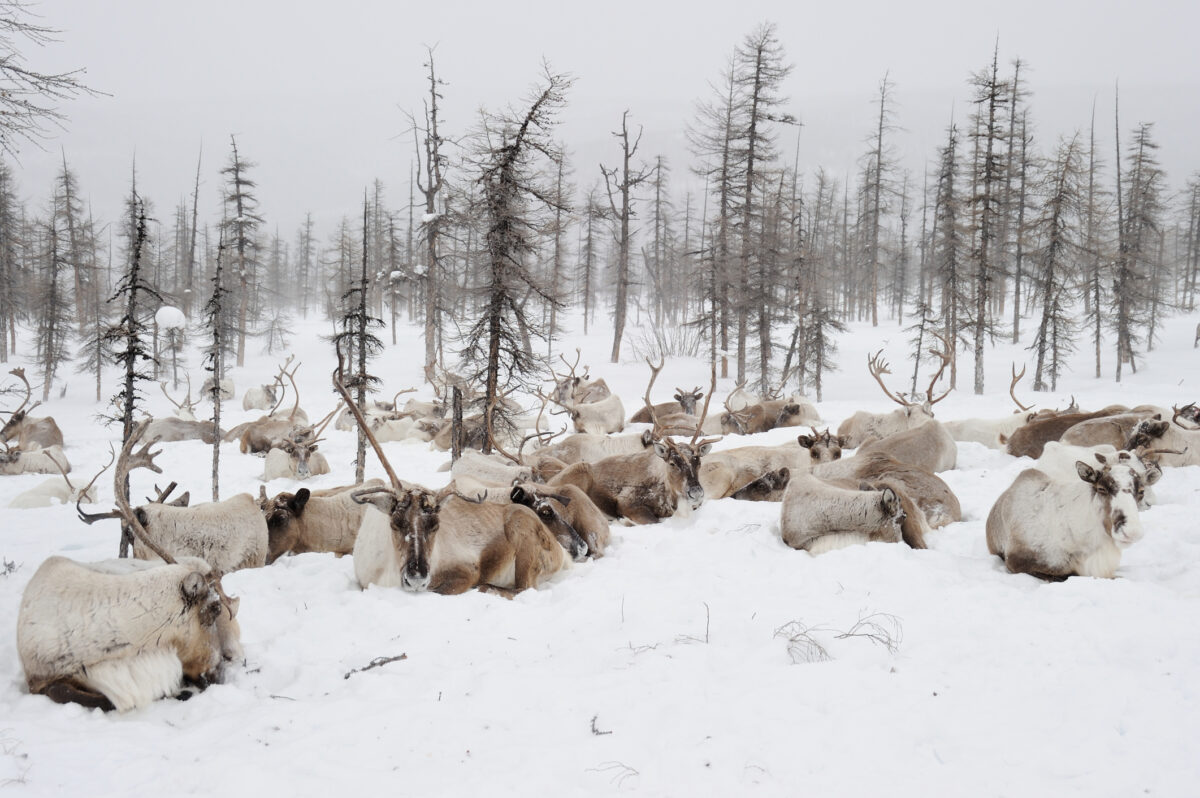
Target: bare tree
x=241 y=225
x=29 y=99
x=622 y=182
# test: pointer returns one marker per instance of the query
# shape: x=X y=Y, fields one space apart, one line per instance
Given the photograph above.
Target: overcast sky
x=315 y=91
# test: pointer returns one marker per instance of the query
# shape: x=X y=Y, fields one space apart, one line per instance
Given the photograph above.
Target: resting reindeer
x=229 y=534
x=1058 y=460
x=995 y=432
x=31 y=433
x=183 y=426
x=937 y=502
x=754 y=473
x=685 y=402
x=1177 y=442
x=571 y=389
x=648 y=486
x=55 y=491
x=584 y=447
x=1052 y=529
x=818 y=516
x=261 y=397
x=928 y=446
x=322 y=520
x=226 y=388
x=39 y=461
x=420 y=540
x=863 y=425
x=1028 y=440
x=121 y=633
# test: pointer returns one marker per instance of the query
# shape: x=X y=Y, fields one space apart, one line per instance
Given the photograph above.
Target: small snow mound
x=170 y=318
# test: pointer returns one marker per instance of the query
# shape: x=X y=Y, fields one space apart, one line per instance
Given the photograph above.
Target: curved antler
x=944 y=356
x=362 y=422
x=878 y=367
x=1013 y=386
x=1188 y=411
x=712 y=388
x=19 y=373
x=646 y=396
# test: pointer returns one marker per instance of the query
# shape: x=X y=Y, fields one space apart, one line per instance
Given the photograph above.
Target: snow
x=170 y=318
x=684 y=662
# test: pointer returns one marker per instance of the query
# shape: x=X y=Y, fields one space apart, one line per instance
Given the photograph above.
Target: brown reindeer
x=444 y=542
x=31 y=433
x=648 y=486
x=1028 y=440
x=757 y=473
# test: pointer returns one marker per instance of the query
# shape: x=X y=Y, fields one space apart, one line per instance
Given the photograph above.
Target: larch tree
x=240 y=229
x=357 y=337
x=432 y=161
x=216 y=323
x=991 y=99
x=1056 y=229
x=759 y=72
x=54 y=310
x=516 y=195
x=620 y=182
x=878 y=163
x=10 y=213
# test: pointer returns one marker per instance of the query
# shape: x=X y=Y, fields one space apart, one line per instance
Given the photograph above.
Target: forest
x=746 y=253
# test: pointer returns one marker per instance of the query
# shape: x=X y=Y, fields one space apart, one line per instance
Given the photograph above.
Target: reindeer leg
x=64 y=692
x=454 y=580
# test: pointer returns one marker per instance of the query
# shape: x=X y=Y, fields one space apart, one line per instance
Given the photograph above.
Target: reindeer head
x=1146 y=432
x=688 y=399
x=413 y=514
x=823 y=447
x=1119 y=489
x=683 y=462
x=299 y=451
x=547 y=508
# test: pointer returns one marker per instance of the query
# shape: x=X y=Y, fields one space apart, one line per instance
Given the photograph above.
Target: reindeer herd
x=119 y=634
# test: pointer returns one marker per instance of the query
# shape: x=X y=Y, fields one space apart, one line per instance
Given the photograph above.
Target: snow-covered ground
x=699 y=657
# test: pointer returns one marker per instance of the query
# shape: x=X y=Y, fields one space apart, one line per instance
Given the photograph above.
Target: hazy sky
x=315 y=92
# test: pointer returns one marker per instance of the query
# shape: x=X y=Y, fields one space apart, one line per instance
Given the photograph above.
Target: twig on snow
x=375 y=663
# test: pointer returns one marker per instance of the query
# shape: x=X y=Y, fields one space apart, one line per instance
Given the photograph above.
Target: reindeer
x=226 y=388
x=818 y=516
x=31 y=433
x=994 y=432
x=54 y=491
x=757 y=472
x=295 y=456
x=767 y=415
x=928 y=491
x=648 y=486
x=323 y=520
x=1052 y=529
x=570 y=389
x=228 y=535
x=863 y=425
x=928 y=446
x=583 y=447
x=260 y=397
x=1058 y=460
x=119 y=634
x=685 y=403
x=185 y=409
x=1177 y=443
x=50 y=460
x=1029 y=439
x=444 y=542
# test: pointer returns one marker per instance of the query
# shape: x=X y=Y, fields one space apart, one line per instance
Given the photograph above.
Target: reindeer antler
x=707 y=400
x=63 y=471
x=400 y=393
x=646 y=397
x=1013 y=386
x=19 y=373
x=187 y=403
x=878 y=367
x=1187 y=411
x=362 y=422
x=944 y=356
x=127 y=462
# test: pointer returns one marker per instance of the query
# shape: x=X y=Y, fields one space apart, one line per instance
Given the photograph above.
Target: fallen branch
x=596 y=731
x=375 y=663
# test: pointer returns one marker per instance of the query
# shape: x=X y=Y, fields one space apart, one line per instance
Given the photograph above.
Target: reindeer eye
x=544 y=511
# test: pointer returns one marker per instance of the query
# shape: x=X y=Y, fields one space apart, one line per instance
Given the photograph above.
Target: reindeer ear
x=1086 y=472
x=785 y=476
x=807 y=441
x=234 y=604
x=842 y=440
x=194 y=588
x=647 y=437
x=383 y=501
x=1101 y=459
x=518 y=495
x=660 y=449
x=299 y=501
x=705 y=449
x=891 y=502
